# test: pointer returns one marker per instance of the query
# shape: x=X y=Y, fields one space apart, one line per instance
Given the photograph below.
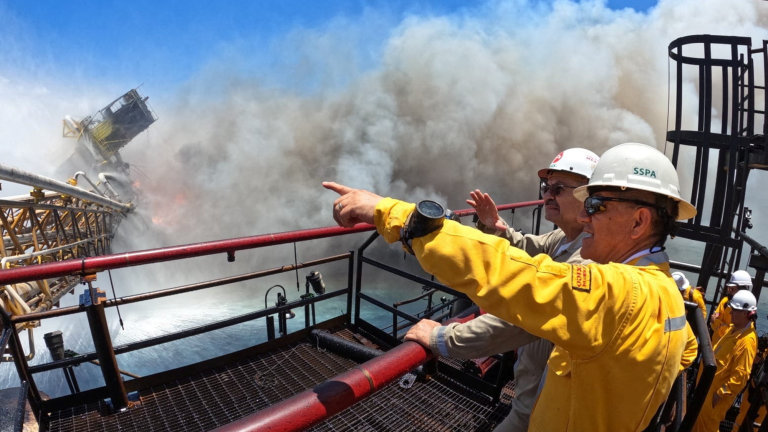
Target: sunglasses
x=554 y=190
x=595 y=204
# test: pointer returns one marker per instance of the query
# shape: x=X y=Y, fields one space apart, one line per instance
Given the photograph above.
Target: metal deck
x=217 y=397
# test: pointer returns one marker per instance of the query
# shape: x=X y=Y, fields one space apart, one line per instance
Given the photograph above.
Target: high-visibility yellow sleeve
x=699 y=300
x=691 y=349
x=742 y=357
x=717 y=322
x=577 y=307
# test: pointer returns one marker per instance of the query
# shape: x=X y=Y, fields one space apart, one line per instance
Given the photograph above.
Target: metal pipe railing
x=177 y=290
x=470 y=212
x=412 y=277
x=762 y=250
x=17 y=175
x=130 y=259
x=193 y=331
x=110 y=262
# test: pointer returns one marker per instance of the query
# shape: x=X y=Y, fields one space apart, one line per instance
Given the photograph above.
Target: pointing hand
x=354 y=206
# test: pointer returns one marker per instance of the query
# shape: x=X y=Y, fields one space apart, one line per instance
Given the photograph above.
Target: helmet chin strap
x=659 y=245
x=670 y=230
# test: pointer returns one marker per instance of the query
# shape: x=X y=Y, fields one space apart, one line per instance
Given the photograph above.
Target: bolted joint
x=37 y=194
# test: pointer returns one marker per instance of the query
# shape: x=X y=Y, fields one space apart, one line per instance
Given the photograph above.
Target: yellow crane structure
x=61 y=221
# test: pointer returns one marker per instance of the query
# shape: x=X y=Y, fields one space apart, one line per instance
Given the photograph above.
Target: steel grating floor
x=217 y=397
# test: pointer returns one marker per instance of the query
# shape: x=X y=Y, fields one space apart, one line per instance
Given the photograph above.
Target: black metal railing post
x=350 y=281
x=11 y=337
x=102 y=342
x=359 y=274
x=708 y=365
x=270 y=327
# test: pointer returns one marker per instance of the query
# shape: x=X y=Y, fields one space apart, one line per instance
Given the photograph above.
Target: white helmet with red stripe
x=576 y=160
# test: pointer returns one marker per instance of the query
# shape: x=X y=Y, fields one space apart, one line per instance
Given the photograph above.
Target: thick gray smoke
x=478 y=100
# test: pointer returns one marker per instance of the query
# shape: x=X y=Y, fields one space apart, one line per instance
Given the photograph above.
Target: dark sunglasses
x=554 y=190
x=595 y=204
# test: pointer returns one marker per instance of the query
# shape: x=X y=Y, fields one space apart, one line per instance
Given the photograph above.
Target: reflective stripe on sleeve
x=440 y=339
x=674 y=324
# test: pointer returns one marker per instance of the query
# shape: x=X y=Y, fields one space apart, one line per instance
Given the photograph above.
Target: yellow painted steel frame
x=49 y=228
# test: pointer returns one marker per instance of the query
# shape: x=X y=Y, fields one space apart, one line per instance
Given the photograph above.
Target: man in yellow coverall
x=734 y=354
x=721 y=318
x=744 y=408
x=689 y=293
x=487 y=334
x=618 y=328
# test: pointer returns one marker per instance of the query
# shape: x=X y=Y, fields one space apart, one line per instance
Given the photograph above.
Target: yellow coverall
x=619 y=330
x=721 y=324
x=734 y=354
x=693 y=295
x=745 y=400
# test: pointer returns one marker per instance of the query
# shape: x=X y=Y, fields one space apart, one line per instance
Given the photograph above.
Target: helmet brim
x=685 y=209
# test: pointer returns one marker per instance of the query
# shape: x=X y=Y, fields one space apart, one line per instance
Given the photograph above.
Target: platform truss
x=48 y=227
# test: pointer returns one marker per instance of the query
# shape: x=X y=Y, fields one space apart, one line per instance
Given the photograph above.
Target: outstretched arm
x=501 y=279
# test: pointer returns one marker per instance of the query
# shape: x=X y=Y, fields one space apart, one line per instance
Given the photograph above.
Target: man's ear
x=642 y=223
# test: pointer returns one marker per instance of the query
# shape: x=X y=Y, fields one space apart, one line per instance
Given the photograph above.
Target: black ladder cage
x=723 y=71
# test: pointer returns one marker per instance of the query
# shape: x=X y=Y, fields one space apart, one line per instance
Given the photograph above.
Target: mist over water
x=479 y=99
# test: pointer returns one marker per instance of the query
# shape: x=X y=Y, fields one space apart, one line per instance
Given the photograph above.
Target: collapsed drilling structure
x=76 y=219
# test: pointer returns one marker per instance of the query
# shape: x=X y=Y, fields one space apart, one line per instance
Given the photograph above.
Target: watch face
x=431 y=209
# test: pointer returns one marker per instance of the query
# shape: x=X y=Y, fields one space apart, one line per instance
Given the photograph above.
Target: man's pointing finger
x=339 y=189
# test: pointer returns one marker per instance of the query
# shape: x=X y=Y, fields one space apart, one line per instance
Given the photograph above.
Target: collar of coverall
x=645 y=257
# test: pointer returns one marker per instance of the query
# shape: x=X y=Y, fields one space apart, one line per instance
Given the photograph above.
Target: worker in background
x=747 y=399
x=689 y=293
x=721 y=318
x=487 y=334
x=734 y=355
x=618 y=328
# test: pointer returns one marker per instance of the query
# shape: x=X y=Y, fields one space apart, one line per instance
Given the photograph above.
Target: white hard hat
x=575 y=160
x=638 y=167
x=741 y=278
x=744 y=301
x=680 y=280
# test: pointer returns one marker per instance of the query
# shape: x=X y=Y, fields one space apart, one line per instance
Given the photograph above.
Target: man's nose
x=583 y=217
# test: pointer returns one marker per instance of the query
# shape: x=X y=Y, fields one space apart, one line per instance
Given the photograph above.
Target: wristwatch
x=428 y=217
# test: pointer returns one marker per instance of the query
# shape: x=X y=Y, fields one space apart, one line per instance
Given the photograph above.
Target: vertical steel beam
x=102 y=342
x=20 y=361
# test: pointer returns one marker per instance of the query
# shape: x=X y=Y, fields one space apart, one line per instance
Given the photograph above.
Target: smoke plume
x=478 y=100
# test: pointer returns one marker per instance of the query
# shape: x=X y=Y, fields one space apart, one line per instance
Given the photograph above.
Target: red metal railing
x=108 y=262
x=129 y=259
x=470 y=212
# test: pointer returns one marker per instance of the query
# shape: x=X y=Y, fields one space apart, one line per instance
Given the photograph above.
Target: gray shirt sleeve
x=483 y=336
x=532 y=244
x=487 y=334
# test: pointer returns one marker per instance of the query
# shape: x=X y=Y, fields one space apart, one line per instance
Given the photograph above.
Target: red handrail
x=108 y=262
